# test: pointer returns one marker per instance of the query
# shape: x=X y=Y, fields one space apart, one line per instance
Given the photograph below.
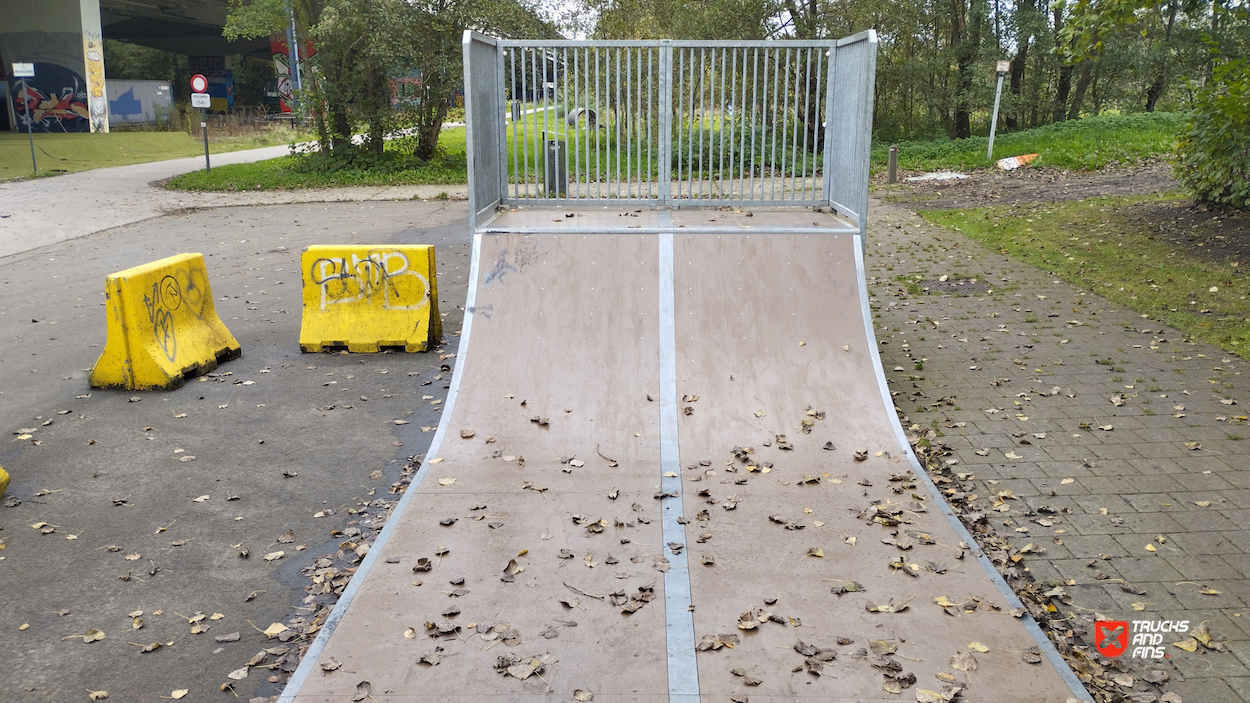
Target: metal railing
x=670 y=123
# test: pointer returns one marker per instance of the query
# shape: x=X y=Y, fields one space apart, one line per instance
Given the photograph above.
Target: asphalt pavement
x=135 y=537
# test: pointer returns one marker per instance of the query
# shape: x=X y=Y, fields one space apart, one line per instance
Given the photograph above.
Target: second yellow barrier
x=162 y=326
x=368 y=297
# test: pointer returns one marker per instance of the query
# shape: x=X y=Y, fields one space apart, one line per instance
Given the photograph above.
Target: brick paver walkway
x=1122 y=474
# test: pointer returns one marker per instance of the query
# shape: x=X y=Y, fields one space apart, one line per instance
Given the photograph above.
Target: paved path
x=990 y=359
x=45 y=211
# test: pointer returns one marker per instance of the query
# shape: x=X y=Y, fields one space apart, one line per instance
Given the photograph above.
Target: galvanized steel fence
x=670 y=123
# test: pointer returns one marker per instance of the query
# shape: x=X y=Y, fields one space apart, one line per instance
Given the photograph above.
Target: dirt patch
x=1028 y=185
x=1217 y=234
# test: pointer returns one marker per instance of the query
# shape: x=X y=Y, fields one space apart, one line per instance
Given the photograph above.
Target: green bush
x=1213 y=154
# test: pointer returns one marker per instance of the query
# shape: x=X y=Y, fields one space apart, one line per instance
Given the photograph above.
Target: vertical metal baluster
x=650 y=113
x=664 y=127
x=546 y=114
x=820 y=63
x=629 y=124
x=539 y=147
x=798 y=124
x=806 y=119
x=585 y=99
x=617 y=114
x=804 y=70
x=755 y=83
x=516 y=156
x=703 y=109
x=720 y=185
x=575 y=151
x=525 y=131
x=785 y=122
x=681 y=91
x=740 y=113
x=560 y=118
x=599 y=118
x=526 y=91
x=771 y=110
x=733 y=120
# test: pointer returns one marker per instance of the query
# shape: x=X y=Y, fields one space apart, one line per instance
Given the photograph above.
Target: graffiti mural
x=55 y=100
x=97 y=104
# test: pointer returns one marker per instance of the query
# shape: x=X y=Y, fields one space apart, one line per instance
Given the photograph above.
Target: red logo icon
x=1111 y=637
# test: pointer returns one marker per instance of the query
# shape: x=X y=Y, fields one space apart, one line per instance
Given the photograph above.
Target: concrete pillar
x=63 y=39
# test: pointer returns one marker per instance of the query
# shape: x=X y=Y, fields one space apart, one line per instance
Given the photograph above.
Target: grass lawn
x=1093 y=244
x=67 y=153
x=1090 y=144
x=276 y=174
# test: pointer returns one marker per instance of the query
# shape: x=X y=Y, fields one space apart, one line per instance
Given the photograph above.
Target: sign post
x=1002 y=68
x=202 y=100
x=27 y=70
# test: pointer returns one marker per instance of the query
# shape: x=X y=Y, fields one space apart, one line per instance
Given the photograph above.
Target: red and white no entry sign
x=199 y=83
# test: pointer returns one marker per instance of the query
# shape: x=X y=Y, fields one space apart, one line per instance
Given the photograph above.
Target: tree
x=360 y=45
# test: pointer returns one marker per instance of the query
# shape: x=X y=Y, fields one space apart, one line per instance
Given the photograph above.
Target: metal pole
x=893 y=167
x=30 y=126
x=998 y=92
x=293 y=51
x=208 y=168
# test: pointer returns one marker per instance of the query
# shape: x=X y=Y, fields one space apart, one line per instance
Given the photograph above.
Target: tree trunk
x=961 y=117
x=1017 y=82
x=1156 y=88
x=1018 y=63
x=378 y=100
x=1082 y=84
x=342 y=136
x=427 y=139
x=1064 y=86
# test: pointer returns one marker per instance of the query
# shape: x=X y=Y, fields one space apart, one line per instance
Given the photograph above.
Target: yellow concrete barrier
x=368 y=297
x=162 y=326
x=4 y=481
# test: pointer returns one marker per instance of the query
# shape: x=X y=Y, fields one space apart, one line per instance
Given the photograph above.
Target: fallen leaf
x=238 y=674
x=1188 y=644
x=96 y=695
x=274 y=556
x=978 y=647
x=446 y=481
x=964 y=661
x=582 y=695
x=180 y=693
x=275 y=629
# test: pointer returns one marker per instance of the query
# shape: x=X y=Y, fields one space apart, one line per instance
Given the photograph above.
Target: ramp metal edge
x=1043 y=642
x=673 y=229
x=309 y=662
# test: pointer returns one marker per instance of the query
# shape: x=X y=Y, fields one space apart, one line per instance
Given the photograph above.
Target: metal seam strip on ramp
x=1013 y=601
x=309 y=662
x=683 y=673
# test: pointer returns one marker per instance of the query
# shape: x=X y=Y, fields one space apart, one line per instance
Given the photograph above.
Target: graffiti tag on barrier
x=161 y=302
x=382 y=274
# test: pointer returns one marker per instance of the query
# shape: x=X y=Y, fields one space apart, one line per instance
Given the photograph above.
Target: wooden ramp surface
x=575 y=391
